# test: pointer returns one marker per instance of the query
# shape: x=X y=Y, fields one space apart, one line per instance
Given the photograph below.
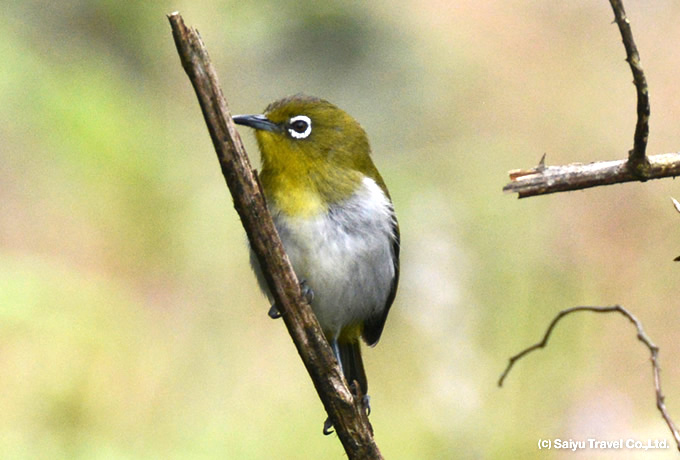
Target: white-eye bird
x=335 y=218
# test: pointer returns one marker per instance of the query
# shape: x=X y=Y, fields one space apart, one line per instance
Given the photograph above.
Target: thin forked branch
x=638 y=166
x=642 y=337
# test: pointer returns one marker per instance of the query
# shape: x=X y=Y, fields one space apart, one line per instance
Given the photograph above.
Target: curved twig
x=642 y=337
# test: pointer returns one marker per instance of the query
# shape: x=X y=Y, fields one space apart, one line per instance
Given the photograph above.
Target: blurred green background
x=131 y=326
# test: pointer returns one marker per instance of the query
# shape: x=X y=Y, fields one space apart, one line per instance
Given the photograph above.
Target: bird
x=336 y=221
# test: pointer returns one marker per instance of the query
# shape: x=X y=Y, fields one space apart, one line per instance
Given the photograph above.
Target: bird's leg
x=327 y=425
x=307 y=292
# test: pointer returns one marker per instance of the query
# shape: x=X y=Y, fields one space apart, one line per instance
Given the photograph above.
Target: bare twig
x=346 y=412
x=637 y=156
x=638 y=167
x=576 y=176
x=641 y=335
x=676 y=205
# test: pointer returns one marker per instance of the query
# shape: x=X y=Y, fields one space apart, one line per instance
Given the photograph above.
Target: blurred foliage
x=131 y=326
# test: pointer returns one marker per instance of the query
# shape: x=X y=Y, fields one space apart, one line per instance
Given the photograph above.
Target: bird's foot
x=365 y=399
x=366 y=402
x=327 y=425
x=274 y=312
x=307 y=292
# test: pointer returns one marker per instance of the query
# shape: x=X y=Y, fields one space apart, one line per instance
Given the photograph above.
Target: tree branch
x=344 y=409
x=642 y=337
x=638 y=167
x=637 y=157
x=543 y=179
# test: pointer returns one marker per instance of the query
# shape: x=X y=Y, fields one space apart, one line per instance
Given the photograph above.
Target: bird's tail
x=352 y=364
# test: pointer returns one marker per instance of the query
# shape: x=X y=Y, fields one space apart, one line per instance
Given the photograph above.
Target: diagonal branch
x=642 y=337
x=344 y=409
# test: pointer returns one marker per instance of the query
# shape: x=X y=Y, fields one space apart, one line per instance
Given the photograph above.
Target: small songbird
x=335 y=218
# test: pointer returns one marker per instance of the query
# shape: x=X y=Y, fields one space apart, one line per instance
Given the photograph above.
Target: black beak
x=256 y=122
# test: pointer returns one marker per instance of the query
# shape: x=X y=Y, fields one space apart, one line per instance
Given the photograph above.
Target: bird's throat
x=307 y=193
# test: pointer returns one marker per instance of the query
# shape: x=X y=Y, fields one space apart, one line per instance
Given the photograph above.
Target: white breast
x=345 y=255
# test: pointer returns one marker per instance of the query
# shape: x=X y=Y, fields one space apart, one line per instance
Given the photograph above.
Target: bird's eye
x=300 y=126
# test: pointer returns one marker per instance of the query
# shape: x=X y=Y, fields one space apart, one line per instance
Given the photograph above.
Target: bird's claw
x=307 y=292
x=274 y=312
x=366 y=402
x=327 y=425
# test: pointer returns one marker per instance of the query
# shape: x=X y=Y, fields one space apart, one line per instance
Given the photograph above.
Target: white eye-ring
x=300 y=126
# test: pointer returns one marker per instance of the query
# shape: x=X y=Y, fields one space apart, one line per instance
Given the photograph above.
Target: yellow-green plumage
x=335 y=218
x=303 y=176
